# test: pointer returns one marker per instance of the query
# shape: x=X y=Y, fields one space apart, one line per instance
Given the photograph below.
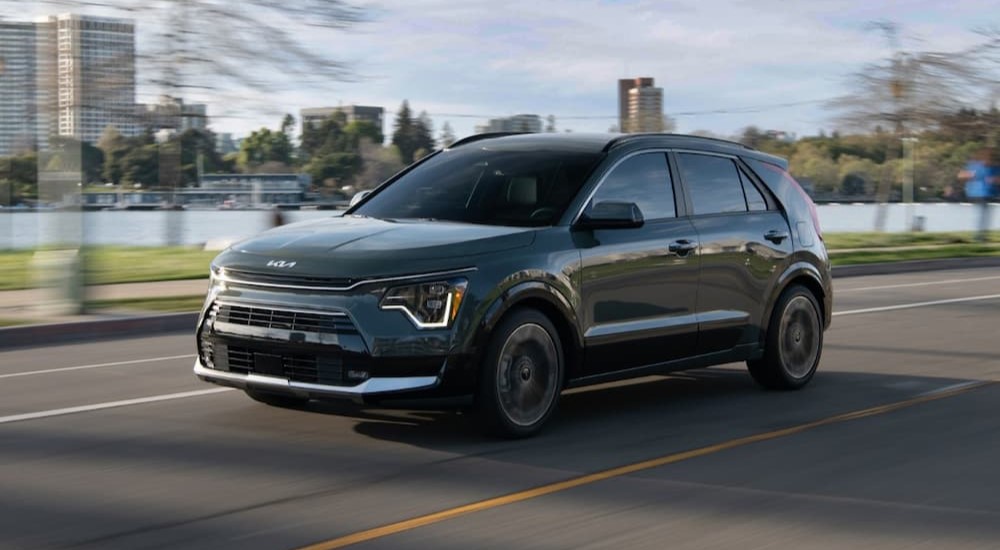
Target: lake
x=195 y=227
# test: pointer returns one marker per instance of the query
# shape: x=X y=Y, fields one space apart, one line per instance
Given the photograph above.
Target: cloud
x=564 y=56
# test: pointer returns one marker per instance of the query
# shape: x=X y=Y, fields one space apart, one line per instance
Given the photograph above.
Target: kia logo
x=280 y=263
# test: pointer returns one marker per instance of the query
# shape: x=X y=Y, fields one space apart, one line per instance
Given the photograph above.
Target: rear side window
x=755 y=201
x=713 y=183
x=645 y=180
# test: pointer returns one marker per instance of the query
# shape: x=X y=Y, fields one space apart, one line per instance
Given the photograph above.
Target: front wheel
x=522 y=375
x=794 y=342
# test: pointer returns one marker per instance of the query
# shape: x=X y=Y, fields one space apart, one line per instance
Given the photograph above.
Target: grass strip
x=163 y=304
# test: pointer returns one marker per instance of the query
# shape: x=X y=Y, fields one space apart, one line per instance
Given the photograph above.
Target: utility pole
x=897 y=89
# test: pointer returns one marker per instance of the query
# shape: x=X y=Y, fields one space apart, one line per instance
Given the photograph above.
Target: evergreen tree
x=403 y=132
x=447 y=136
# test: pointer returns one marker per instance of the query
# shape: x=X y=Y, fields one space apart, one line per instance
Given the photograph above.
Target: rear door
x=745 y=240
x=640 y=284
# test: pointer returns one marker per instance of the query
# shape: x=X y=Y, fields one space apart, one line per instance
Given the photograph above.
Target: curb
x=104 y=329
x=97 y=329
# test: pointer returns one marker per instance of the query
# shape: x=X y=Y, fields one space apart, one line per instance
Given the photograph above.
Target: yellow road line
x=444 y=515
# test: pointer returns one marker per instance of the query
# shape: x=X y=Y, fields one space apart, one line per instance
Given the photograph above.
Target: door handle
x=776 y=236
x=682 y=247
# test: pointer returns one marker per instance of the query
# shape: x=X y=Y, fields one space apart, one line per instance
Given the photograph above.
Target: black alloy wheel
x=522 y=375
x=794 y=342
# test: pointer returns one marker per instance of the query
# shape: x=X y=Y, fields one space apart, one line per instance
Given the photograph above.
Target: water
x=149 y=228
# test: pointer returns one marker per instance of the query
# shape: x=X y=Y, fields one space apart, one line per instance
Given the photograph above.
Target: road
x=116 y=445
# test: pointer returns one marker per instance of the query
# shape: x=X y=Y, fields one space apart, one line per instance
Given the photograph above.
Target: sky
x=722 y=64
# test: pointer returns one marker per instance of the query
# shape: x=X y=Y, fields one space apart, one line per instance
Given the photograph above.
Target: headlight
x=428 y=305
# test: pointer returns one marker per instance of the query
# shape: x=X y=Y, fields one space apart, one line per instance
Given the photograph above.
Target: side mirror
x=358 y=197
x=611 y=215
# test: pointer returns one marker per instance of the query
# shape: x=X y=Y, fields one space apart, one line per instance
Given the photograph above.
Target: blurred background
x=137 y=138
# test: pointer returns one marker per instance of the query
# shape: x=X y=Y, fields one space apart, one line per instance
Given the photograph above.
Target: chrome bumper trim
x=221 y=276
x=370 y=387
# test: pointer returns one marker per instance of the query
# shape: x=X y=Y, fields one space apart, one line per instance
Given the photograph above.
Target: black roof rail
x=478 y=137
x=625 y=138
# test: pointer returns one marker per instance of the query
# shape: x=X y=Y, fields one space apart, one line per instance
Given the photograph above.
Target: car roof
x=605 y=142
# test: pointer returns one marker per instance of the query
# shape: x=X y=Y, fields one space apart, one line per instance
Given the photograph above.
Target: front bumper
x=367 y=391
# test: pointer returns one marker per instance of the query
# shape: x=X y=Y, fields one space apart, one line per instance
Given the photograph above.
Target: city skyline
x=722 y=65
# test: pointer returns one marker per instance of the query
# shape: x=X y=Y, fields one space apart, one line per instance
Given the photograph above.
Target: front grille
x=238 y=276
x=297 y=345
x=297 y=321
x=297 y=367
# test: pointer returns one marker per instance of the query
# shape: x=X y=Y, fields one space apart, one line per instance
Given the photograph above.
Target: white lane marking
x=108 y=405
x=916 y=304
x=98 y=365
x=951 y=387
x=906 y=285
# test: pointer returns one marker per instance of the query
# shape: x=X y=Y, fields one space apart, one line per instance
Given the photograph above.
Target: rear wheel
x=277 y=400
x=522 y=375
x=794 y=342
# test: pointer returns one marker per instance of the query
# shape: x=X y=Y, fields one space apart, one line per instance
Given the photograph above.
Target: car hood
x=356 y=247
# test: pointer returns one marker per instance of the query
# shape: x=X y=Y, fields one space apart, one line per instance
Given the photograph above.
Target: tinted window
x=755 y=200
x=713 y=183
x=493 y=187
x=642 y=179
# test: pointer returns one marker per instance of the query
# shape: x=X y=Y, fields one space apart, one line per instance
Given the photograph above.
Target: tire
x=277 y=400
x=793 y=344
x=521 y=376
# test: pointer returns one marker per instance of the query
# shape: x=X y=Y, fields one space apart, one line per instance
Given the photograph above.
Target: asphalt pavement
x=115 y=444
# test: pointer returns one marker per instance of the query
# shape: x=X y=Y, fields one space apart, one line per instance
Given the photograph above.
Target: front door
x=639 y=287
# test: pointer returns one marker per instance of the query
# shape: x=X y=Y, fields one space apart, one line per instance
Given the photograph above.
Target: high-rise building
x=95 y=76
x=18 y=72
x=516 y=123
x=640 y=105
x=314 y=117
x=66 y=75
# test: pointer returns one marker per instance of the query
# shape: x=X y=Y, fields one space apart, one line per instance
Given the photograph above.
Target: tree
x=914 y=90
x=814 y=164
x=70 y=155
x=402 y=133
x=199 y=146
x=378 y=164
x=424 y=133
x=264 y=146
x=411 y=135
x=447 y=136
x=141 y=165
x=114 y=146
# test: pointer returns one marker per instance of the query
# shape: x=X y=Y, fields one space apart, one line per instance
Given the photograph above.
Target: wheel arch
x=804 y=274
x=550 y=302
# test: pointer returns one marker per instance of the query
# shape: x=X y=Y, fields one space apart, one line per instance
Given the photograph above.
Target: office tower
x=640 y=105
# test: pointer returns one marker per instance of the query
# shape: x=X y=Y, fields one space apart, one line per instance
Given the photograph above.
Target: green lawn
x=116 y=264
x=160 y=304
x=882 y=240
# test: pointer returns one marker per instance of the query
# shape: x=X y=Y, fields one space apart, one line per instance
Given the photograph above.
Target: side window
x=755 y=201
x=645 y=180
x=713 y=183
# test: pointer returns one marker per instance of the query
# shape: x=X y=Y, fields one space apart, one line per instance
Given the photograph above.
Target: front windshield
x=492 y=187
